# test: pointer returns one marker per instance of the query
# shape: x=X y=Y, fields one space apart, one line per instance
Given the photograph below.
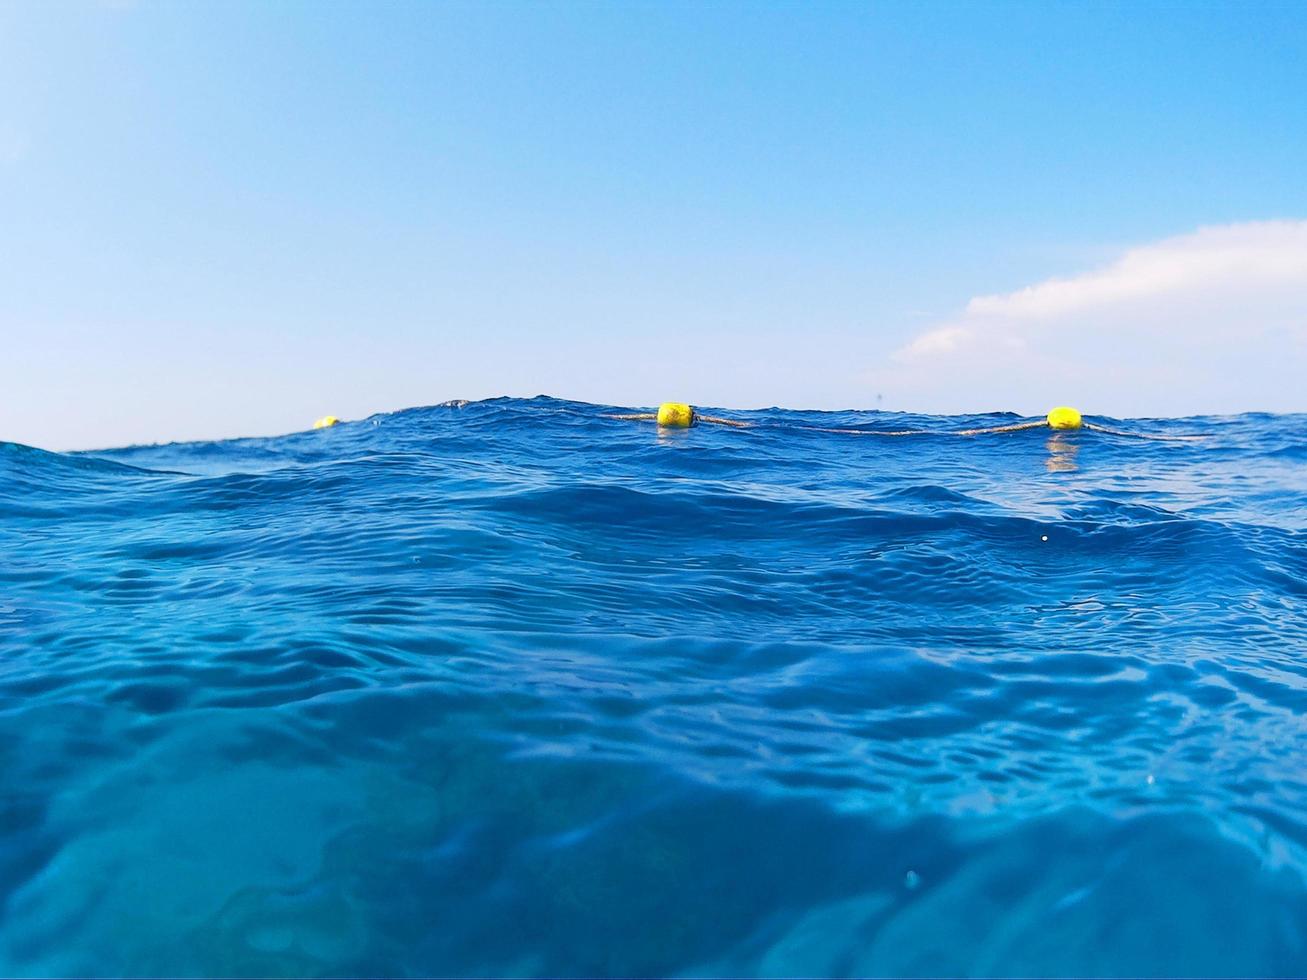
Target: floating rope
x=678 y=415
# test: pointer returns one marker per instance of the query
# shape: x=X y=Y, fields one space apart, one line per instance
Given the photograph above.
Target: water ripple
x=514 y=687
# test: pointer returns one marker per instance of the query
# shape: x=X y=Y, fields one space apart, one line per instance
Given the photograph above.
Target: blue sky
x=229 y=218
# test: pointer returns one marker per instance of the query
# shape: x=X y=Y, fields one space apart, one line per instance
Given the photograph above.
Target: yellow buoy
x=1064 y=418
x=675 y=415
x=326 y=422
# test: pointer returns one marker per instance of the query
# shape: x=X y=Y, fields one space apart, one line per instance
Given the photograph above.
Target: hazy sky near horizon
x=228 y=218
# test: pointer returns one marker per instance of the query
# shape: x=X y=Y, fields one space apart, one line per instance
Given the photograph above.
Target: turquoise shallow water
x=511 y=687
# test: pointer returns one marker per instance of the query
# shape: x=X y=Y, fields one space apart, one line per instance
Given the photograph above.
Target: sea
x=520 y=688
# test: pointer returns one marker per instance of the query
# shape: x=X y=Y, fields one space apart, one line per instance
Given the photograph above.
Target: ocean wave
x=519 y=687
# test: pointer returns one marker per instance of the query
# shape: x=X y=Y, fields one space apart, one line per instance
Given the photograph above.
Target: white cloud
x=1213 y=321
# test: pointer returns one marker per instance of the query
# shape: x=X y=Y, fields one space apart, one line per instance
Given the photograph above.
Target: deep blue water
x=513 y=688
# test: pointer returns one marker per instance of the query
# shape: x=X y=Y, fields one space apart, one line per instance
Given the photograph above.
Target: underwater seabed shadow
x=1072 y=893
